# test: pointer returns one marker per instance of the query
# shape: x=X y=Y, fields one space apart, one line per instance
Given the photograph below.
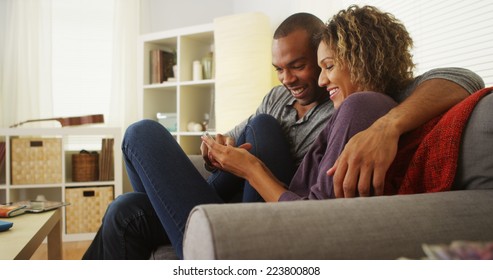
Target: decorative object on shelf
x=195 y=127
x=207 y=64
x=168 y=120
x=161 y=66
x=197 y=70
x=85 y=166
x=36 y=160
x=175 y=74
x=69 y=121
x=205 y=123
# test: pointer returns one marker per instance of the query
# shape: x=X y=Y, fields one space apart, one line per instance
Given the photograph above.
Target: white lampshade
x=243 y=45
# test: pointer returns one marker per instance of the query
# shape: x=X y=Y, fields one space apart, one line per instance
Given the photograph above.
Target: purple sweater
x=355 y=114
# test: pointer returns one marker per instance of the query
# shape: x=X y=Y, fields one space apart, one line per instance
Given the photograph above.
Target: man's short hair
x=304 y=21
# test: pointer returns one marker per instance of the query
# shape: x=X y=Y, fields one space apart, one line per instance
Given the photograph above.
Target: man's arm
x=368 y=155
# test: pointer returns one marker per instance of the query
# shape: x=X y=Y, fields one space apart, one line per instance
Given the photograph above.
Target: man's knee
x=142 y=128
x=264 y=120
x=126 y=205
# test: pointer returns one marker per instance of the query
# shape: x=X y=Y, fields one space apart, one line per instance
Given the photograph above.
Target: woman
x=365 y=58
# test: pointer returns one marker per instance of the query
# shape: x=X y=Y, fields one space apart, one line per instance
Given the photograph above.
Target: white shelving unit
x=190 y=100
x=56 y=191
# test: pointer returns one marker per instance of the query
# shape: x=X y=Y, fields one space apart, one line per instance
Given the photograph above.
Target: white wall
x=278 y=10
x=158 y=15
x=3 y=15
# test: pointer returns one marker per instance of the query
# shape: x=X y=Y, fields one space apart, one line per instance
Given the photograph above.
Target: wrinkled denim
x=167 y=186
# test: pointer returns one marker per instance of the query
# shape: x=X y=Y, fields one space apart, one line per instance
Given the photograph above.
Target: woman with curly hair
x=365 y=58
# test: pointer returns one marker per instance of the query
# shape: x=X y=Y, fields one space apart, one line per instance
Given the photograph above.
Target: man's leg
x=130 y=230
x=269 y=144
x=156 y=165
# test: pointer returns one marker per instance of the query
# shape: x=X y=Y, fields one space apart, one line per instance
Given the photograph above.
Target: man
x=133 y=224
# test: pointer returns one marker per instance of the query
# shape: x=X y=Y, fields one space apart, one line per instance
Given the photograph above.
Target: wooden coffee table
x=28 y=232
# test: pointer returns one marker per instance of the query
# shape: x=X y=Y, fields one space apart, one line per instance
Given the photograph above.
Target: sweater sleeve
x=465 y=78
x=290 y=196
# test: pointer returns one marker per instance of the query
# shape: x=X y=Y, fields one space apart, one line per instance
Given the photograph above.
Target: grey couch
x=387 y=227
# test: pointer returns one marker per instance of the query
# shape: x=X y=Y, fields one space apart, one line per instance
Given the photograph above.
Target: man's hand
x=365 y=160
x=204 y=150
x=227 y=157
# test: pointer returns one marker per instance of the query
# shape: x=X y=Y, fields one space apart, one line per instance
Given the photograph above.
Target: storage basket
x=87 y=207
x=85 y=167
x=36 y=161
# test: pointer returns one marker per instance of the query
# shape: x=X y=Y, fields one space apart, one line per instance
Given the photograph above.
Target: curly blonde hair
x=375 y=47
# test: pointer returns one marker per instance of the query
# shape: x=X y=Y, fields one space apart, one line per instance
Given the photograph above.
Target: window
x=451 y=33
x=81 y=56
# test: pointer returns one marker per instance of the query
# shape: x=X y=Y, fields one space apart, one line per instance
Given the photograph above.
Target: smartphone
x=206 y=134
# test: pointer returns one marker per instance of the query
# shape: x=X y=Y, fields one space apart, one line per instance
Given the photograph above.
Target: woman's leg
x=157 y=166
x=270 y=146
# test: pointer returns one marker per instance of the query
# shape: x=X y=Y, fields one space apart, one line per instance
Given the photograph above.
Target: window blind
x=451 y=33
x=81 y=56
x=82 y=46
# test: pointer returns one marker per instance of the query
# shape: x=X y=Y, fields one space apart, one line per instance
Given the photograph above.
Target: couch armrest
x=198 y=162
x=360 y=228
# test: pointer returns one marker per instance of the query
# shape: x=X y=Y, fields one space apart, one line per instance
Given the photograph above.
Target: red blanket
x=427 y=157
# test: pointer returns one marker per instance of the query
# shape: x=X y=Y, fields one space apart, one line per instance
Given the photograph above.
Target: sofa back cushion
x=475 y=163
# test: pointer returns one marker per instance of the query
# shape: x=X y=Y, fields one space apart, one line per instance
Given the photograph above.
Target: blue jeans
x=167 y=186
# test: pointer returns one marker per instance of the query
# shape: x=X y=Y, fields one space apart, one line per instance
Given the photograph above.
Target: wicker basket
x=36 y=161
x=85 y=167
x=87 y=207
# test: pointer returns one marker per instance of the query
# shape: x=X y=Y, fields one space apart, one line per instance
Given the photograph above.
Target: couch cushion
x=475 y=164
x=165 y=252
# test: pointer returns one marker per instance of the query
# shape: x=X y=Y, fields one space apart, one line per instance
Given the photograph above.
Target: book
x=106 y=160
x=161 y=66
x=7 y=211
x=2 y=162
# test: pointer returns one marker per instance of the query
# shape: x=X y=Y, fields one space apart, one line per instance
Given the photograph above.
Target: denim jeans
x=167 y=186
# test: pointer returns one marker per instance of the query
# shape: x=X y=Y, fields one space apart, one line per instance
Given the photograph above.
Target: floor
x=71 y=251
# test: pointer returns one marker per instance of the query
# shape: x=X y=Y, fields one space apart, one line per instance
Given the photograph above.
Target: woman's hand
x=204 y=150
x=222 y=155
x=240 y=162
